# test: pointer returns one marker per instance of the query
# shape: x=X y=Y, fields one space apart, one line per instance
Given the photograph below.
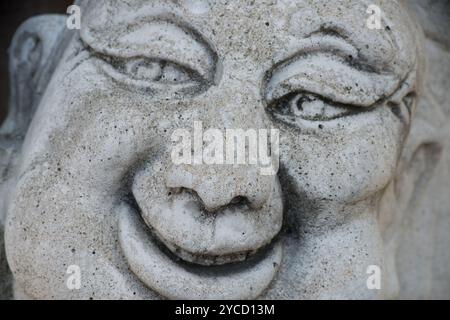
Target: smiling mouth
x=208 y=264
x=223 y=267
x=214 y=255
x=206 y=260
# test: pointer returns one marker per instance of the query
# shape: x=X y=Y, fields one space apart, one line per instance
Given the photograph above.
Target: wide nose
x=241 y=180
x=217 y=187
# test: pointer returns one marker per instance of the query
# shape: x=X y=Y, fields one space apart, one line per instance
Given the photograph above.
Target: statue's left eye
x=309 y=107
x=157 y=71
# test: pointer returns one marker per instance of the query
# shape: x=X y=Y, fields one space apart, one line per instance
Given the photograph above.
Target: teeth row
x=206 y=260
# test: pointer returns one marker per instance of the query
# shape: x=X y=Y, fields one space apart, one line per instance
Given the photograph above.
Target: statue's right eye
x=154 y=74
x=158 y=71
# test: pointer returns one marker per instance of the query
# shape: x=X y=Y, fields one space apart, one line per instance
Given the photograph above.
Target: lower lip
x=177 y=280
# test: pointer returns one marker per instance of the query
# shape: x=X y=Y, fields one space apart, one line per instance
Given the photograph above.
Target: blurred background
x=12 y=14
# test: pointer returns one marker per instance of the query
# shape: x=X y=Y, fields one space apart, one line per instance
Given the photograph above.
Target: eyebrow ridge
x=334 y=33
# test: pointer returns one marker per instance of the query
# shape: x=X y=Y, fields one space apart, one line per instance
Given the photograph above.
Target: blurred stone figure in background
x=364 y=173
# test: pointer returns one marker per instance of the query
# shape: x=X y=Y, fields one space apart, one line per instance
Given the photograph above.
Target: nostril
x=240 y=200
x=173 y=191
x=181 y=190
x=237 y=202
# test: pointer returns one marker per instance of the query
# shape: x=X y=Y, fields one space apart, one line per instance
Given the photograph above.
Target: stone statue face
x=96 y=186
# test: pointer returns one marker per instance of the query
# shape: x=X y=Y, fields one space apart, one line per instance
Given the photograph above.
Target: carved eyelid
x=164 y=40
x=328 y=66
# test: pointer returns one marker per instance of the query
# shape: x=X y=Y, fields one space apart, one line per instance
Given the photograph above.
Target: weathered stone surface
x=363 y=175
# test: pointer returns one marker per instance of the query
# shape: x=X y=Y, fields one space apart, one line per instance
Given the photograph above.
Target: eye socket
x=156 y=71
x=308 y=107
x=158 y=76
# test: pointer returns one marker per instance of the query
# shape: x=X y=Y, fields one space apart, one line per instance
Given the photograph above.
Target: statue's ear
x=416 y=201
x=33 y=54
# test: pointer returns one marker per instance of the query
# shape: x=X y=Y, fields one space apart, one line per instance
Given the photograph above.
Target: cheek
x=345 y=162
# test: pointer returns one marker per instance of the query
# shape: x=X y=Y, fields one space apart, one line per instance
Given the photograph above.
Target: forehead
x=265 y=30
